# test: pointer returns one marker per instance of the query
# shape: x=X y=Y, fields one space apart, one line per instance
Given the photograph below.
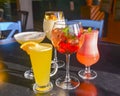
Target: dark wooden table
x=14 y=62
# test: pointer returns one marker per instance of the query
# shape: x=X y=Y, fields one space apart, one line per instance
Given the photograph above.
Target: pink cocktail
x=88 y=54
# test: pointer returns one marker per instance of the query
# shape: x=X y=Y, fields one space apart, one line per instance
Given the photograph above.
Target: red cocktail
x=65 y=39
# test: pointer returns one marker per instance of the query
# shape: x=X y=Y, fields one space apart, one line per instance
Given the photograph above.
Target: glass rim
x=53 y=11
x=73 y=22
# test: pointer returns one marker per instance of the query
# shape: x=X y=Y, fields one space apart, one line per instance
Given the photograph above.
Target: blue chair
x=9 y=28
x=95 y=24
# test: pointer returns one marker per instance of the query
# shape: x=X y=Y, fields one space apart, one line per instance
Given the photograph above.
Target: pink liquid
x=88 y=54
x=87 y=60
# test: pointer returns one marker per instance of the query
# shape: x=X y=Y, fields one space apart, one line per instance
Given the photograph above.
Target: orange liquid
x=86 y=89
x=88 y=53
x=87 y=60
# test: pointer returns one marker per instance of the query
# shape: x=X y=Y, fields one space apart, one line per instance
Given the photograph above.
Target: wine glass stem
x=87 y=69
x=55 y=55
x=67 y=77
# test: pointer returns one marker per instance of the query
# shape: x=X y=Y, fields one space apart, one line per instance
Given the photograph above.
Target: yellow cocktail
x=40 y=55
x=41 y=63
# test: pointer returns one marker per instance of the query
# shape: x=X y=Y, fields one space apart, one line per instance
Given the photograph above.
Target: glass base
x=29 y=74
x=59 y=62
x=42 y=89
x=89 y=76
x=74 y=83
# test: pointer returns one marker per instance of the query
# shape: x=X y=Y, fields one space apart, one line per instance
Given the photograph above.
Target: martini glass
x=49 y=19
x=29 y=36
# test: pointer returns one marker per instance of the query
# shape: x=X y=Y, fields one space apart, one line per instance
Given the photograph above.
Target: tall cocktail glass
x=49 y=19
x=88 y=54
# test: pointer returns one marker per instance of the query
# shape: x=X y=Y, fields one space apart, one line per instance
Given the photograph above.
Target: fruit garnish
x=67 y=47
x=25 y=46
x=53 y=17
x=50 y=17
x=89 y=29
x=65 y=30
x=46 y=17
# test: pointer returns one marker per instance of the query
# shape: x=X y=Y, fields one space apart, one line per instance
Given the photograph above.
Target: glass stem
x=67 y=77
x=87 y=69
x=55 y=55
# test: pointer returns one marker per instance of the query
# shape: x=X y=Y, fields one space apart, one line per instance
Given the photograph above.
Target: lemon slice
x=27 y=46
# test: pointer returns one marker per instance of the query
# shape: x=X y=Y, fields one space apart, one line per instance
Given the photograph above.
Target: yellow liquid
x=41 y=63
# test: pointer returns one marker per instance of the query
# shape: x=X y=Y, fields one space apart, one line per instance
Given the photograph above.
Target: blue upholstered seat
x=11 y=28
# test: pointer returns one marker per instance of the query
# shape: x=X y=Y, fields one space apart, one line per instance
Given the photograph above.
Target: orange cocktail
x=88 y=54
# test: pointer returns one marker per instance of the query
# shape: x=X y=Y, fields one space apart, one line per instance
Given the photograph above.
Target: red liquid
x=65 y=44
x=86 y=89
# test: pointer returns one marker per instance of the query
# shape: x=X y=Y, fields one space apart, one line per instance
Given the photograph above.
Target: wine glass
x=29 y=36
x=65 y=38
x=88 y=54
x=49 y=19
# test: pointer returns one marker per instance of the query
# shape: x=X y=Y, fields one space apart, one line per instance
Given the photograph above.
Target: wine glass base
x=89 y=76
x=29 y=74
x=42 y=89
x=74 y=83
x=59 y=62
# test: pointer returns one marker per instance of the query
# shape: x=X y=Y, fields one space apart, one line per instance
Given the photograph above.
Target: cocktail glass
x=49 y=19
x=40 y=56
x=65 y=38
x=29 y=36
x=88 y=54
